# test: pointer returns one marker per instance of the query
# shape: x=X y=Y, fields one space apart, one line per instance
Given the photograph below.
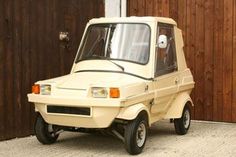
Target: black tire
x=182 y=124
x=132 y=130
x=42 y=133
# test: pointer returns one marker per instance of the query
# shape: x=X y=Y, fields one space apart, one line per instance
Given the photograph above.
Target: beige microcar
x=128 y=73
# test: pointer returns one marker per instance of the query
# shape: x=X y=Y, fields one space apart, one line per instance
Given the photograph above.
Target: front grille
x=68 y=110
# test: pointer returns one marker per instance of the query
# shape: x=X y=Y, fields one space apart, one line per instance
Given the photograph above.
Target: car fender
x=131 y=112
x=177 y=105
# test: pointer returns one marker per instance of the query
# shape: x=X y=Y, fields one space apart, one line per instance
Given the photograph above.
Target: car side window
x=166 y=57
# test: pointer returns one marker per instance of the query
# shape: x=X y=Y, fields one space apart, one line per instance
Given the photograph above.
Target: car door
x=166 y=72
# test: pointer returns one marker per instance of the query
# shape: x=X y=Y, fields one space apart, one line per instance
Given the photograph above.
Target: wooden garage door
x=30 y=50
x=209 y=30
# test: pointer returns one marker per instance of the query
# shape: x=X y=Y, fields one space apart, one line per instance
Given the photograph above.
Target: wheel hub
x=141 y=134
x=51 y=130
x=186 y=119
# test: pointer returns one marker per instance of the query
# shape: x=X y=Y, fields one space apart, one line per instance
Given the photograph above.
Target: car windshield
x=128 y=42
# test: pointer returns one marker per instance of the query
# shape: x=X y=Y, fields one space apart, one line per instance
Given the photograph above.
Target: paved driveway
x=203 y=139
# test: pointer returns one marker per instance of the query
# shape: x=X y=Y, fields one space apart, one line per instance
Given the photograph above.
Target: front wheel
x=136 y=134
x=182 y=124
x=44 y=132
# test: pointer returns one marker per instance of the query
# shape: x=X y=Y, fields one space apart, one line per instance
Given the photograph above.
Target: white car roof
x=132 y=19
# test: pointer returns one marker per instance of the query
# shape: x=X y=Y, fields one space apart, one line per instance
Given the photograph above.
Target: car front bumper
x=102 y=112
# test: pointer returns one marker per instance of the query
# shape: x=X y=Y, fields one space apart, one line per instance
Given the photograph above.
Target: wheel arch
x=133 y=111
x=178 y=105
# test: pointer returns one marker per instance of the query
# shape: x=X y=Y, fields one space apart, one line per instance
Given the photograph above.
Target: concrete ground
x=203 y=139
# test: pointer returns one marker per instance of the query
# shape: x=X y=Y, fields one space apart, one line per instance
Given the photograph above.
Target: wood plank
x=141 y=8
x=56 y=28
x=190 y=41
x=165 y=6
x=149 y=7
x=133 y=8
x=25 y=81
x=42 y=55
x=33 y=31
x=3 y=36
x=182 y=13
x=234 y=66
x=8 y=69
x=17 y=69
x=50 y=44
x=156 y=7
x=44 y=43
x=159 y=8
x=48 y=38
x=199 y=61
x=101 y=9
x=70 y=25
x=208 y=60
x=218 y=61
x=227 y=60
x=61 y=11
x=173 y=11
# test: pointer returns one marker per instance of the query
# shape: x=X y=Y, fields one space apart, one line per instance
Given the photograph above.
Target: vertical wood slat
x=190 y=44
x=8 y=73
x=134 y=9
x=209 y=33
x=156 y=10
x=17 y=70
x=70 y=24
x=159 y=8
x=100 y=11
x=60 y=18
x=33 y=51
x=208 y=60
x=141 y=7
x=218 y=64
x=150 y=7
x=26 y=70
x=227 y=60
x=165 y=5
x=182 y=14
x=48 y=39
x=173 y=9
x=199 y=61
x=2 y=56
x=234 y=66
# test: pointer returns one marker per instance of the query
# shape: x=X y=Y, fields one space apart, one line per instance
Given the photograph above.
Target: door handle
x=176 y=80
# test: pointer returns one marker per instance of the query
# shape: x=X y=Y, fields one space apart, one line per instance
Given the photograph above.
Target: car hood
x=80 y=83
x=84 y=80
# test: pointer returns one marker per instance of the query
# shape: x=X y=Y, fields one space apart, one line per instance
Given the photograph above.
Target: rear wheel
x=136 y=135
x=45 y=132
x=182 y=124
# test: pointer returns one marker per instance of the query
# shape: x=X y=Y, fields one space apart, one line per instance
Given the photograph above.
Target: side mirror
x=162 y=41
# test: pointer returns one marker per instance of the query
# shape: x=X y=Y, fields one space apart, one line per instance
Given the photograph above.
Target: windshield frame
x=77 y=60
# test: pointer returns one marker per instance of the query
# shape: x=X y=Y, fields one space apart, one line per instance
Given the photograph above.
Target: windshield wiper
x=105 y=58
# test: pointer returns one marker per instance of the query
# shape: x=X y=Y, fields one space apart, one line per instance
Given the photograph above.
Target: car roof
x=133 y=19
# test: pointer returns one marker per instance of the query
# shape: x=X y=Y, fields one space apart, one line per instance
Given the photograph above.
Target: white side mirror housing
x=162 y=41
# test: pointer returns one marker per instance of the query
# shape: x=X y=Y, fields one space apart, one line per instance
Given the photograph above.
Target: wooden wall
x=209 y=30
x=30 y=50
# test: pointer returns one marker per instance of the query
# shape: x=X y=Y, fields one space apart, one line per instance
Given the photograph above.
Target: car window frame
x=170 y=69
x=77 y=60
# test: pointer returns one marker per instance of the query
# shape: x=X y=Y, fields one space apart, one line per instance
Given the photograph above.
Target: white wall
x=115 y=8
